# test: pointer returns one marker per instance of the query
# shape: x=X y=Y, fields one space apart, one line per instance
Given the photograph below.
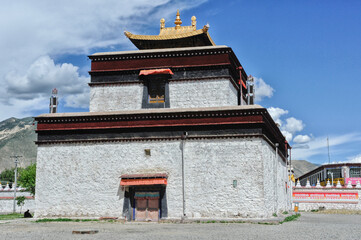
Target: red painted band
x=150 y=123
x=160 y=63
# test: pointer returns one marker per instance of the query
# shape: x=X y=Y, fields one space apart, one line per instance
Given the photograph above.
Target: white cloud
x=318 y=146
x=34 y=29
x=78 y=100
x=355 y=159
x=293 y=125
x=42 y=76
x=287 y=135
x=262 y=89
x=276 y=113
x=288 y=126
x=300 y=139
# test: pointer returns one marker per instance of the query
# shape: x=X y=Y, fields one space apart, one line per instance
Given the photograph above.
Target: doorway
x=147 y=206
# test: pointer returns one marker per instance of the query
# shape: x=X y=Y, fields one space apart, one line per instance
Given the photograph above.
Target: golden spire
x=162 y=23
x=194 y=22
x=177 y=21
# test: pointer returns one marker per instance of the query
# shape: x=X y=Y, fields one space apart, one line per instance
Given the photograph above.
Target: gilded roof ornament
x=177 y=21
x=194 y=22
x=177 y=36
x=162 y=23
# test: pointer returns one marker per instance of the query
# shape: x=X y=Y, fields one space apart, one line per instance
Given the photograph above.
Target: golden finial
x=177 y=21
x=162 y=23
x=194 y=22
x=205 y=27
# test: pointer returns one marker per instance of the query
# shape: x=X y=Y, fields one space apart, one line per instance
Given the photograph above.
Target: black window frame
x=162 y=79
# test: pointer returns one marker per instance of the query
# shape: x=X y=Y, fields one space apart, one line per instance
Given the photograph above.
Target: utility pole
x=15 y=180
x=328 y=150
x=183 y=137
x=276 y=178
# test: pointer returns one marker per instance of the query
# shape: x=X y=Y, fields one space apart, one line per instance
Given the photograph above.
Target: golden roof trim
x=167 y=37
x=176 y=33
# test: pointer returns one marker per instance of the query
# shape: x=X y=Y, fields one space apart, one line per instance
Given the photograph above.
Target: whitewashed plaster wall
x=7 y=205
x=284 y=199
x=277 y=198
x=182 y=94
x=311 y=206
x=202 y=93
x=83 y=179
x=116 y=97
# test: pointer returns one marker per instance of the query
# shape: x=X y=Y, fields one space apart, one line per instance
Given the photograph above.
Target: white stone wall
x=311 y=206
x=7 y=205
x=182 y=94
x=202 y=93
x=83 y=179
x=277 y=198
x=116 y=97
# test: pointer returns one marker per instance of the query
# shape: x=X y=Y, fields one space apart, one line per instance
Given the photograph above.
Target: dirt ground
x=308 y=226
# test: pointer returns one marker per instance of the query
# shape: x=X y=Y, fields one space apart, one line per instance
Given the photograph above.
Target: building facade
x=334 y=173
x=169 y=135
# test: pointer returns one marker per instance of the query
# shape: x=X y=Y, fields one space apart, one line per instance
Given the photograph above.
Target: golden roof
x=199 y=37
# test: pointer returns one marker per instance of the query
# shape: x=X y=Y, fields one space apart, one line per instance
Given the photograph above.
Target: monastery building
x=172 y=133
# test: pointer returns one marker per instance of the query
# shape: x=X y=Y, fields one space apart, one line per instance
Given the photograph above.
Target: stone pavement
x=308 y=226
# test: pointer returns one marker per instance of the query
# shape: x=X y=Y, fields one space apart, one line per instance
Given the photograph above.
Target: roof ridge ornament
x=162 y=23
x=194 y=22
x=177 y=21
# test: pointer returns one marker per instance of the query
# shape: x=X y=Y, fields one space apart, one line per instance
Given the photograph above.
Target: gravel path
x=308 y=226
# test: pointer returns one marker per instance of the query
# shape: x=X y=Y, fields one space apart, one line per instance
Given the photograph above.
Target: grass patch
x=275 y=214
x=267 y=223
x=240 y=222
x=212 y=221
x=65 y=220
x=291 y=218
x=285 y=212
x=11 y=216
x=314 y=210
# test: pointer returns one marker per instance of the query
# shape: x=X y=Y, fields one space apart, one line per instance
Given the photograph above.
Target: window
x=156 y=91
x=355 y=172
x=336 y=173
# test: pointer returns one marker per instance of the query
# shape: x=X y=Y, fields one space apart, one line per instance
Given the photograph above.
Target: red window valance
x=146 y=181
x=143 y=179
x=155 y=71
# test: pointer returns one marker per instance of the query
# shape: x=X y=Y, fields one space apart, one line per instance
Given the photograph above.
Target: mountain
x=17 y=137
x=301 y=167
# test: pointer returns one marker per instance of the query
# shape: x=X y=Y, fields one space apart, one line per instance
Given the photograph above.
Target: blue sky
x=305 y=55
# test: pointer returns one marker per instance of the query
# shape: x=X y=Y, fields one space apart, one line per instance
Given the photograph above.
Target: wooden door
x=141 y=209
x=146 y=208
x=153 y=209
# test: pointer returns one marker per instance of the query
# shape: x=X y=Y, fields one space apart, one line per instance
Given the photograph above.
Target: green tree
x=27 y=178
x=7 y=175
x=20 y=202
